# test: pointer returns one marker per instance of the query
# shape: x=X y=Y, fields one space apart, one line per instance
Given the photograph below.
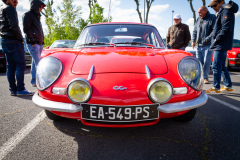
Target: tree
x=194 y=14
x=204 y=2
x=149 y=4
x=48 y=12
x=70 y=18
x=191 y=6
x=97 y=14
x=91 y=4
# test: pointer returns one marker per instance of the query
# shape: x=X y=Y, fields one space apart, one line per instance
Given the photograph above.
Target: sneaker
x=212 y=91
x=226 y=90
x=24 y=93
x=34 y=85
x=206 y=81
x=13 y=93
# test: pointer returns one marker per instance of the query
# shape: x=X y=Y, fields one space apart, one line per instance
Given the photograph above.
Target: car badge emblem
x=119 y=88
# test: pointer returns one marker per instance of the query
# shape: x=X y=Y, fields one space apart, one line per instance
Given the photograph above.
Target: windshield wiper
x=136 y=43
x=94 y=44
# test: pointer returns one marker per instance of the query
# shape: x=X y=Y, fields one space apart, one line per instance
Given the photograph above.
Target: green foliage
x=69 y=24
x=97 y=14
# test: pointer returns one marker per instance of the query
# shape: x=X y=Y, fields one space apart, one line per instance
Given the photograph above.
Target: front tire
x=186 y=117
x=53 y=116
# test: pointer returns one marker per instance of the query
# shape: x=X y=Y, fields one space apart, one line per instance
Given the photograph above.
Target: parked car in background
x=28 y=57
x=124 y=84
x=58 y=45
x=233 y=56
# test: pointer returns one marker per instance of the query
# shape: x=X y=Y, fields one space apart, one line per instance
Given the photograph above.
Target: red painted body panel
x=119 y=60
x=136 y=82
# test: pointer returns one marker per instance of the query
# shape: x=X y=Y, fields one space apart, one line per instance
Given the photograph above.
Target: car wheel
x=53 y=116
x=227 y=64
x=186 y=117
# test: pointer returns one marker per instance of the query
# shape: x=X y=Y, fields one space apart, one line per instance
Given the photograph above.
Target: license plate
x=119 y=113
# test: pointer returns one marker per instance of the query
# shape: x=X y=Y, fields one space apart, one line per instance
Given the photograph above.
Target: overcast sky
x=125 y=11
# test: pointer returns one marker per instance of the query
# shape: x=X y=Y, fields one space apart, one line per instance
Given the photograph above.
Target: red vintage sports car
x=233 y=56
x=124 y=84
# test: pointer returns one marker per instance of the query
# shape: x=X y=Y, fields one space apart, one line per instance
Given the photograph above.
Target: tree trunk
x=194 y=14
x=149 y=3
x=139 y=13
x=204 y=2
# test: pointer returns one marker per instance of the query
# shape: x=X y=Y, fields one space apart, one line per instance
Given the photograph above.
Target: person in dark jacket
x=32 y=28
x=178 y=35
x=202 y=33
x=222 y=41
x=13 y=47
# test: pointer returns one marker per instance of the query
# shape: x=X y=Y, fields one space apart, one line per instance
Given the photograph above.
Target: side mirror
x=47 y=47
x=168 y=47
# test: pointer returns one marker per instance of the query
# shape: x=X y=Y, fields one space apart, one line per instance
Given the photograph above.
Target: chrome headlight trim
x=85 y=81
x=201 y=73
x=151 y=84
x=61 y=69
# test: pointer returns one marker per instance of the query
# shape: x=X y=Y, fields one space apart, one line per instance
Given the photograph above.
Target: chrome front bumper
x=55 y=106
x=165 y=108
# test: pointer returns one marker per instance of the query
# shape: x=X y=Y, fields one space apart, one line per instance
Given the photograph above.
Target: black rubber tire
x=187 y=116
x=53 y=116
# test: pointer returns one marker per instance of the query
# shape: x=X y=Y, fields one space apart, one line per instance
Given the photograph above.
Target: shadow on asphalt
x=167 y=138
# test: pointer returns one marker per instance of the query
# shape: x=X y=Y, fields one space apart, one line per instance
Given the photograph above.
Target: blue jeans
x=14 y=51
x=219 y=68
x=35 y=52
x=204 y=55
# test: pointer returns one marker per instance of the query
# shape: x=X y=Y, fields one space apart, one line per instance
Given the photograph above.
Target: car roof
x=109 y=23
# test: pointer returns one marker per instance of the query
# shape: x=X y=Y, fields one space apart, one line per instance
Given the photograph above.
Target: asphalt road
x=214 y=133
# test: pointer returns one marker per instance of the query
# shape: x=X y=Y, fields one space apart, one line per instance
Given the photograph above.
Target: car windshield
x=236 y=43
x=120 y=35
x=63 y=44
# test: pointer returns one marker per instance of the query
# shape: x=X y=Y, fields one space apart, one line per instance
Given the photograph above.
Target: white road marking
x=12 y=142
x=224 y=103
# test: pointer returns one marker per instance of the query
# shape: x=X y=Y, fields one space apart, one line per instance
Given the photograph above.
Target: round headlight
x=160 y=90
x=190 y=70
x=48 y=71
x=79 y=90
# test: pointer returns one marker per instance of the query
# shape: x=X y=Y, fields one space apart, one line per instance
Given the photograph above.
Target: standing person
x=202 y=32
x=12 y=45
x=178 y=35
x=32 y=28
x=222 y=41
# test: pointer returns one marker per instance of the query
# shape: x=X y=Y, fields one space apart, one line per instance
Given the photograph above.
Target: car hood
x=119 y=60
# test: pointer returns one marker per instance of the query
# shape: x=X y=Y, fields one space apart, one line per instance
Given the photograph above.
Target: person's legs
x=16 y=63
x=225 y=74
x=35 y=52
x=207 y=61
x=218 y=62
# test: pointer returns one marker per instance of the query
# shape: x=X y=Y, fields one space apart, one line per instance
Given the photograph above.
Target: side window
x=154 y=40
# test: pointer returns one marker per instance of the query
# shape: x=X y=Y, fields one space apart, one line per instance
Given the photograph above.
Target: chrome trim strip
x=181 y=90
x=147 y=72
x=91 y=73
x=233 y=59
x=185 y=105
x=55 y=106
